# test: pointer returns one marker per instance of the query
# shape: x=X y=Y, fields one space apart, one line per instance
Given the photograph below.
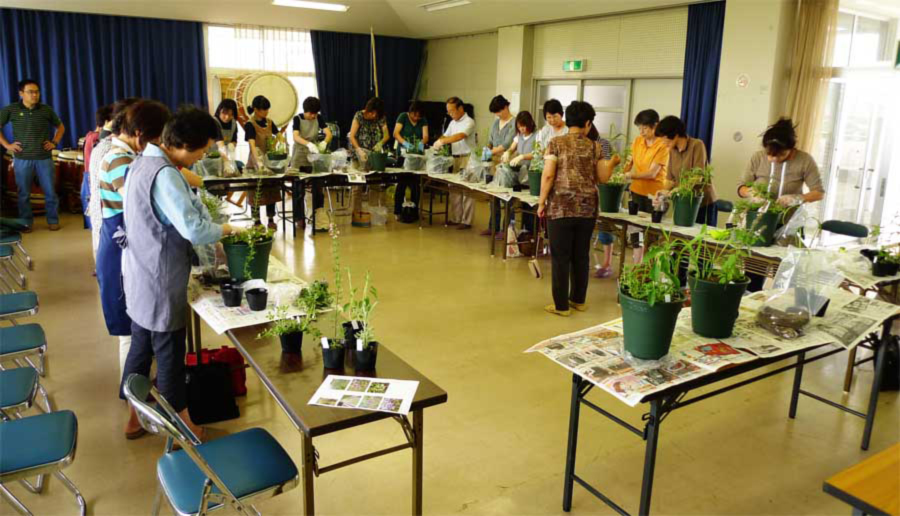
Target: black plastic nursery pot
x=236 y=256
x=292 y=342
x=365 y=360
x=377 y=161
x=534 y=182
x=882 y=269
x=232 y=295
x=257 y=298
x=656 y=216
x=686 y=209
x=767 y=225
x=611 y=198
x=714 y=306
x=333 y=357
x=633 y=207
x=648 y=329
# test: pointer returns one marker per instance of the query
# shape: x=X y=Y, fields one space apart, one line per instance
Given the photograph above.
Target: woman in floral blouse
x=573 y=166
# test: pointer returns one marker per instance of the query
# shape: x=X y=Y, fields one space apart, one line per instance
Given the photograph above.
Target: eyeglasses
x=32 y=92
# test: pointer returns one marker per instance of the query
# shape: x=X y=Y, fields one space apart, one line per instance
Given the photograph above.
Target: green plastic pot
x=648 y=329
x=686 y=209
x=236 y=256
x=714 y=306
x=611 y=198
x=377 y=161
x=767 y=225
x=534 y=181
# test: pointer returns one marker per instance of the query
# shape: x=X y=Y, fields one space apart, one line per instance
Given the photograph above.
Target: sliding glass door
x=611 y=100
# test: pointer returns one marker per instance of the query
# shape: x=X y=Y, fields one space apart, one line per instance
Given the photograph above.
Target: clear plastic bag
x=210 y=167
x=413 y=162
x=321 y=162
x=505 y=177
x=436 y=164
x=340 y=159
x=800 y=292
x=476 y=170
x=801 y=227
x=379 y=215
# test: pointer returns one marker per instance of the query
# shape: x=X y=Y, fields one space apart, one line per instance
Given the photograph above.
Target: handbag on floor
x=512 y=243
x=409 y=213
x=210 y=398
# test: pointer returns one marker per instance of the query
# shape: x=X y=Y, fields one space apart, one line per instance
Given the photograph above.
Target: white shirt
x=548 y=133
x=464 y=125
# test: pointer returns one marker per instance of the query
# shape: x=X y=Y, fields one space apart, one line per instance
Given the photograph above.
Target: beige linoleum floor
x=497 y=447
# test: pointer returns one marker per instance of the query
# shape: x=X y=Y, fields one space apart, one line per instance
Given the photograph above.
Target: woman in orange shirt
x=646 y=168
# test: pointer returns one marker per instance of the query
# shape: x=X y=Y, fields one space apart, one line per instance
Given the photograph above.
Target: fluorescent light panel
x=304 y=4
x=444 y=4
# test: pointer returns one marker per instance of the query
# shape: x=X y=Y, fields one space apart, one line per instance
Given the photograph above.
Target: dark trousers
x=404 y=183
x=570 y=252
x=708 y=215
x=498 y=214
x=169 y=349
x=271 y=210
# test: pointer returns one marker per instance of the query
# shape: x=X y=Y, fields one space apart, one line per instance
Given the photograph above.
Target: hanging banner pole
x=374 y=61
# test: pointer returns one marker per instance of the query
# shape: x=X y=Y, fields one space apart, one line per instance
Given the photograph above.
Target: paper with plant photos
x=373 y=394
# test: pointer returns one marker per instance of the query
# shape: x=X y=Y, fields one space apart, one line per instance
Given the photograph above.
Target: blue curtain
x=706 y=23
x=344 y=74
x=83 y=61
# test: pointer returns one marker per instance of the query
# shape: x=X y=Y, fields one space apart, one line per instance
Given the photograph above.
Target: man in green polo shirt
x=32 y=149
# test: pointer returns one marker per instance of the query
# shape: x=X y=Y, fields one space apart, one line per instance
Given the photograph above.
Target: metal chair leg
x=82 y=505
x=38 y=486
x=47 y=405
x=157 y=499
x=28 y=262
x=12 y=263
x=17 y=505
x=9 y=288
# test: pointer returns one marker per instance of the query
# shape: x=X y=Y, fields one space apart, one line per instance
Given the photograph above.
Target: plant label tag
x=325 y=343
x=354 y=325
x=359 y=345
x=668 y=298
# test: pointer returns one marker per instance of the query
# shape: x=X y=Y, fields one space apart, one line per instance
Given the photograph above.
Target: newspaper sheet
x=373 y=394
x=207 y=302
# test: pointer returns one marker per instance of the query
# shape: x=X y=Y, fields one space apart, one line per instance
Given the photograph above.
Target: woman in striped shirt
x=140 y=124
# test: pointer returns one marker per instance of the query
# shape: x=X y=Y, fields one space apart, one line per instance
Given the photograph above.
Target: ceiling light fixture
x=304 y=4
x=444 y=4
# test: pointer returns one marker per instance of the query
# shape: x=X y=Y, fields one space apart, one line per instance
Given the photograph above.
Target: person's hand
x=407 y=146
x=311 y=147
x=505 y=157
x=790 y=200
x=49 y=145
x=615 y=160
x=662 y=194
x=629 y=161
x=438 y=144
x=757 y=200
x=14 y=147
x=517 y=160
x=362 y=154
x=542 y=210
x=629 y=176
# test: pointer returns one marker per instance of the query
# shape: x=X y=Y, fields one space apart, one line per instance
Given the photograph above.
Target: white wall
x=465 y=67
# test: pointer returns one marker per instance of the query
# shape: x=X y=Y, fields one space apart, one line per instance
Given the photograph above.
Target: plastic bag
x=802 y=285
x=800 y=227
x=379 y=215
x=505 y=176
x=436 y=164
x=413 y=162
x=340 y=159
x=475 y=171
x=512 y=243
x=321 y=162
x=210 y=167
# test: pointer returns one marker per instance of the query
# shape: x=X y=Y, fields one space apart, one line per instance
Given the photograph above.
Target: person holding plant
x=257 y=132
x=164 y=219
x=368 y=133
x=646 y=168
x=228 y=132
x=573 y=165
x=503 y=131
x=686 y=153
x=142 y=123
x=793 y=168
x=306 y=128
x=556 y=126
x=521 y=149
x=411 y=133
x=460 y=136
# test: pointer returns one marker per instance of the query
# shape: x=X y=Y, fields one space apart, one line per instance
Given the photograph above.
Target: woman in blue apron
x=138 y=125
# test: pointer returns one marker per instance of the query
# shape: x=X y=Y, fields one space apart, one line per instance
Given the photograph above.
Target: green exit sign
x=574 y=65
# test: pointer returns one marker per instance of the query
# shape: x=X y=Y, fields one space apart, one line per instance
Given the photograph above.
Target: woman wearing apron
x=140 y=124
x=523 y=147
x=368 y=132
x=257 y=131
x=307 y=128
x=228 y=128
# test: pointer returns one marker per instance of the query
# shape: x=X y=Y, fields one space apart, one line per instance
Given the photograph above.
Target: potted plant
x=377 y=159
x=333 y=348
x=717 y=280
x=886 y=263
x=360 y=309
x=611 y=192
x=763 y=218
x=247 y=253
x=289 y=329
x=651 y=299
x=687 y=196
x=536 y=170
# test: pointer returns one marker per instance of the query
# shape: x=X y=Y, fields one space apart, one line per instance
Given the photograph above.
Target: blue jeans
x=26 y=169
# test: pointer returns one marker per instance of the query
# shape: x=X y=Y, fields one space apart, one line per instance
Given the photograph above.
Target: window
x=861 y=41
x=610 y=99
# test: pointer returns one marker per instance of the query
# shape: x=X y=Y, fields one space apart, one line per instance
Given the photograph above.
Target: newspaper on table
x=373 y=394
x=283 y=288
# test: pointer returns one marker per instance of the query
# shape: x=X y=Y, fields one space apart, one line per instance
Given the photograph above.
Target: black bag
x=409 y=213
x=890 y=380
x=210 y=396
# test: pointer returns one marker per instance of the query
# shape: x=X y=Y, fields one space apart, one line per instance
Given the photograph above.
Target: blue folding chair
x=22 y=343
x=37 y=446
x=14 y=239
x=18 y=304
x=234 y=470
x=18 y=389
x=9 y=269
